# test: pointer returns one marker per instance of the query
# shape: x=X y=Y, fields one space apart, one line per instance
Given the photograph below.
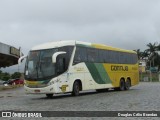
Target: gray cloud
x=128 y=24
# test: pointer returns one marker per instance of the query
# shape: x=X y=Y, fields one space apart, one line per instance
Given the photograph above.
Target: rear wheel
x=76 y=88
x=49 y=95
x=121 y=85
x=127 y=84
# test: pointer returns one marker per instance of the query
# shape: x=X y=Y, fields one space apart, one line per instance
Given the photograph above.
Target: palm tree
x=145 y=54
x=152 y=51
x=151 y=48
x=158 y=56
x=139 y=53
x=158 y=47
x=142 y=55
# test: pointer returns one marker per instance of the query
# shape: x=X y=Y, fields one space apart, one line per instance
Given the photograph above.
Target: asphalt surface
x=143 y=97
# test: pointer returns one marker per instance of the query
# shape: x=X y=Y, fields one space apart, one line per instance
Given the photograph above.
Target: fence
x=149 y=77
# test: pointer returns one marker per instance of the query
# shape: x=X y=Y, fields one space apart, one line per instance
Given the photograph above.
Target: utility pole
x=19 y=57
x=150 y=72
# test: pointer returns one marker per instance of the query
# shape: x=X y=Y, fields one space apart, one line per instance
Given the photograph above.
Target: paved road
x=144 y=96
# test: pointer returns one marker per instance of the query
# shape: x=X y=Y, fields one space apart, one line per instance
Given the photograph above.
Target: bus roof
x=56 y=44
x=106 y=47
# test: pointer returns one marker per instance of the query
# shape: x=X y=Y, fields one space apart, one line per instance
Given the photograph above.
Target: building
x=142 y=66
x=9 y=55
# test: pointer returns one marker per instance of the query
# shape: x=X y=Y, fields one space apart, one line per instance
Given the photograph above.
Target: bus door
x=61 y=66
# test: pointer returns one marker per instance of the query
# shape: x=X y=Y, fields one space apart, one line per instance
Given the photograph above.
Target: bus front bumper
x=45 y=90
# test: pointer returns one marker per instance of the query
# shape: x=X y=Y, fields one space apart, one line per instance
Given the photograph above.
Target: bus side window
x=92 y=55
x=120 y=58
x=134 y=58
x=80 y=55
x=109 y=56
x=68 y=50
x=102 y=56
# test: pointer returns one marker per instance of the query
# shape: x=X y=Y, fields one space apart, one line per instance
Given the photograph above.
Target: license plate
x=37 y=91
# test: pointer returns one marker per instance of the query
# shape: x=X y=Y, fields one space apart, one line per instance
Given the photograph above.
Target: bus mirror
x=21 y=59
x=54 y=56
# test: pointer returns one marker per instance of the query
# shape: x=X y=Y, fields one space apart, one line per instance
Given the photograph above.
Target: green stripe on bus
x=103 y=73
x=98 y=73
x=94 y=73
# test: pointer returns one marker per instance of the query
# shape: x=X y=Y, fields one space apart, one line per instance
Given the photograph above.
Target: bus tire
x=49 y=95
x=76 y=88
x=127 y=84
x=122 y=85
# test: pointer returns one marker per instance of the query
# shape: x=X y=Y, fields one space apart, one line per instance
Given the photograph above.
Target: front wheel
x=76 y=88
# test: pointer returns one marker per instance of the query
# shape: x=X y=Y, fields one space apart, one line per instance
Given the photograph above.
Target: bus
x=74 y=66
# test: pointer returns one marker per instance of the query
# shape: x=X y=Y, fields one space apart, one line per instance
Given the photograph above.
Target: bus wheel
x=122 y=85
x=76 y=88
x=127 y=84
x=49 y=95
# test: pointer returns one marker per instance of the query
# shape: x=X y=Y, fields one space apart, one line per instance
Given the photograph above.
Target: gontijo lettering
x=119 y=68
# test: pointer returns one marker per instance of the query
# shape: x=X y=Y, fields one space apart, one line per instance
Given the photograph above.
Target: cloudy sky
x=128 y=24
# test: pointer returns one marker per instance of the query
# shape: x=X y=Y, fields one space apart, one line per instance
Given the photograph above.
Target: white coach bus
x=74 y=66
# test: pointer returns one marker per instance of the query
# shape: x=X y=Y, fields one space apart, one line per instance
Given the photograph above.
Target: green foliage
x=6 y=76
x=16 y=75
x=150 y=55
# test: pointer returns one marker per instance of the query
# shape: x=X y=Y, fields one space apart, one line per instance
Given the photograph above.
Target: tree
x=158 y=47
x=141 y=55
x=158 y=56
x=138 y=53
x=152 y=48
x=5 y=76
x=145 y=54
x=16 y=75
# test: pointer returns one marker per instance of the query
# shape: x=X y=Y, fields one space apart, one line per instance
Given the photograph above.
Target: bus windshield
x=39 y=64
